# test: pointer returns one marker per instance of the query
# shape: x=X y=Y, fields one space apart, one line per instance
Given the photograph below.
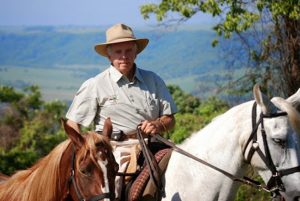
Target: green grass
x=62 y=82
x=55 y=83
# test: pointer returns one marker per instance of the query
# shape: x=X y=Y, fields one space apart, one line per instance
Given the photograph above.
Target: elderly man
x=126 y=94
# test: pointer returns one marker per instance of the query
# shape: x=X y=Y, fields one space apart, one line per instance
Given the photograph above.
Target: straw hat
x=117 y=34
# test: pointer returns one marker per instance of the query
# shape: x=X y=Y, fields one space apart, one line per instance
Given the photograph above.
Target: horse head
x=273 y=147
x=92 y=168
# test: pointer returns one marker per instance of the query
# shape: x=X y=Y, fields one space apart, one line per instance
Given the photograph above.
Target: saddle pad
x=141 y=181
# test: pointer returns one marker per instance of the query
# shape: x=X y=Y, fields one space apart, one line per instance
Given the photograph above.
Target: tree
x=29 y=127
x=275 y=57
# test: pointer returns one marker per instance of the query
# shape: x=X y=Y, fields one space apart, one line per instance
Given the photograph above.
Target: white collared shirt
x=110 y=94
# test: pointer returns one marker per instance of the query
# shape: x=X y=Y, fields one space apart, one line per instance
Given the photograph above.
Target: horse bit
x=72 y=180
x=275 y=184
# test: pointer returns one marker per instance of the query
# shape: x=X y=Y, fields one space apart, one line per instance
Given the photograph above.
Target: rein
x=275 y=183
x=72 y=180
x=244 y=180
x=153 y=168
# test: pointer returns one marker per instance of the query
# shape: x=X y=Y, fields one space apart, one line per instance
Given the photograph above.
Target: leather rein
x=72 y=181
x=275 y=183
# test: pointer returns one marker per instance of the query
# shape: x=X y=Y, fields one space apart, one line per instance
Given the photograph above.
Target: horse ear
x=77 y=139
x=295 y=100
x=107 y=129
x=262 y=100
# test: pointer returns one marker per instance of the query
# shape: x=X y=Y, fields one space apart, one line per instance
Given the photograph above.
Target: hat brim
x=141 y=44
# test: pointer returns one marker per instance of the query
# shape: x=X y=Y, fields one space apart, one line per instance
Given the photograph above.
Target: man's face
x=122 y=56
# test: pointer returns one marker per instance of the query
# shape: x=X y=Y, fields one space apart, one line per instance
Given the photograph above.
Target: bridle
x=72 y=181
x=275 y=184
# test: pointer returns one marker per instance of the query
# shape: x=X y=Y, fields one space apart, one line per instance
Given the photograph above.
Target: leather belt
x=121 y=136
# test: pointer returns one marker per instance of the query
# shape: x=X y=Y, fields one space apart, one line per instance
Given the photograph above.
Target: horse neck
x=43 y=181
x=221 y=141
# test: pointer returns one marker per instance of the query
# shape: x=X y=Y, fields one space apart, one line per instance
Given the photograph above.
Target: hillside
x=59 y=58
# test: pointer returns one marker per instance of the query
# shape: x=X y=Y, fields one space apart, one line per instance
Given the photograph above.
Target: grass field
x=55 y=83
x=63 y=82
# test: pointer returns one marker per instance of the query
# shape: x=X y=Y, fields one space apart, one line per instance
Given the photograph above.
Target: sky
x=79 y=12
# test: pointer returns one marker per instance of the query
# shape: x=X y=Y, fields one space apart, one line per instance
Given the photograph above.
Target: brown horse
x=3 y=177
x=80 y=168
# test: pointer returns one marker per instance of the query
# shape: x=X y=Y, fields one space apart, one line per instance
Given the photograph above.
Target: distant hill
x=183 y=57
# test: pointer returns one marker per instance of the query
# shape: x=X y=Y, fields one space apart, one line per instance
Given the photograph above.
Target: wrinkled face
x=97 y=177
x=122 y=56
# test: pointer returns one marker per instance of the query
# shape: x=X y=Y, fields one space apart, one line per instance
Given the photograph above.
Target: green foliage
x=237 y=16
x=212 y=107
x=186 y=124
x=30 y=131
x=8 y=94
x=192 y=114
x=266 y=29
x=185 y=102
x=248 y=193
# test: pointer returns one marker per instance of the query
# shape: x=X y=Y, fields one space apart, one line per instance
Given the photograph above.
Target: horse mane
x=30 y=184
x=42 y=180
x=293 y=114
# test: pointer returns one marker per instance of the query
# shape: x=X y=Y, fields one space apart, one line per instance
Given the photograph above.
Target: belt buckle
x=117 y=135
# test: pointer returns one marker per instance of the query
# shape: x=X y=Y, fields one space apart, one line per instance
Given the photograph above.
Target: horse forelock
x=293 y=114
x=38 y=182
x=90 y=147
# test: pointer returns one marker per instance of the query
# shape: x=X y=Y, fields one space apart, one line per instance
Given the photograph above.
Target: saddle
x=141 y=187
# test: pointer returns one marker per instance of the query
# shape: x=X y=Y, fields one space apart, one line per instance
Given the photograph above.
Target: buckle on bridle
x=255 y=145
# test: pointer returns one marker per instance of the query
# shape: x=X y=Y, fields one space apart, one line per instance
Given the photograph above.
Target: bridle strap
x=77 y=191
x=288 y=171
x=72 y=176
x=253 y=135
x=275 y=183
x=103 y=196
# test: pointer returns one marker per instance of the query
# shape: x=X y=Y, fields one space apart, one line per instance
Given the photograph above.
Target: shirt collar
x=116 y=75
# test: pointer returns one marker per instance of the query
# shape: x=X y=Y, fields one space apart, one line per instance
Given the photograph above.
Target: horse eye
x=280 y=142
x=87 y=171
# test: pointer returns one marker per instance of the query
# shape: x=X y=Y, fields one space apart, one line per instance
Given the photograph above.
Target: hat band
x=120 y=39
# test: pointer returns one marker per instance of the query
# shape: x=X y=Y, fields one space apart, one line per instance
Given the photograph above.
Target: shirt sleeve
x=167 y=104
x=84 y=106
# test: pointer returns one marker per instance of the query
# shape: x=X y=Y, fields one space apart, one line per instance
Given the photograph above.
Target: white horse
x=229 y=141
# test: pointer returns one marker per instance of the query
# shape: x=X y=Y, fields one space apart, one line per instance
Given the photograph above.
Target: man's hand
x=160 y=125
x=150 y=127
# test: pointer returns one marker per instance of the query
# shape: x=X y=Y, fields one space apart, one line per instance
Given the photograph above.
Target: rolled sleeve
x=84 y=106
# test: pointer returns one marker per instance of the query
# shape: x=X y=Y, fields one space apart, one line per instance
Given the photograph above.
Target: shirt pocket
x=109 y=101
